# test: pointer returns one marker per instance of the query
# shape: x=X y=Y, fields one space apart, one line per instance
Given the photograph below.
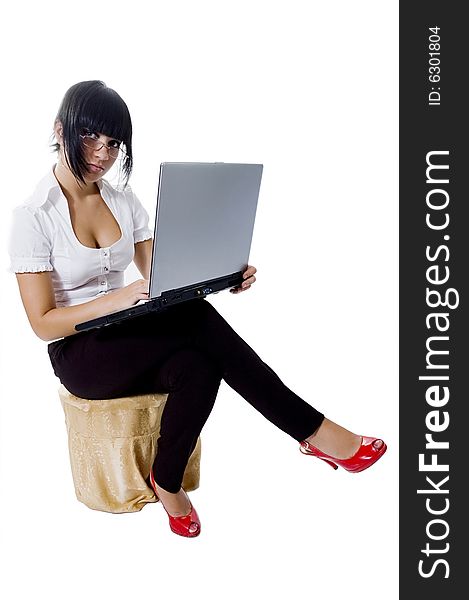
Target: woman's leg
x=255 y=381
x=192 y=382
x=245 y=372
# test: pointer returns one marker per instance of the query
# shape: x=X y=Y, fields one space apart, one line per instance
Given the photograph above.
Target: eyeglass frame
x=120 y=150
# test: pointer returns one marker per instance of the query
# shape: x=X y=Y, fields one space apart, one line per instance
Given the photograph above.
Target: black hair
x=92 y=106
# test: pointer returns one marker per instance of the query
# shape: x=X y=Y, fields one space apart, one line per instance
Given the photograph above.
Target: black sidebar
x=434 y=269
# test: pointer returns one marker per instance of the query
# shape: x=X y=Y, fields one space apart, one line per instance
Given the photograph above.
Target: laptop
x=204 y=223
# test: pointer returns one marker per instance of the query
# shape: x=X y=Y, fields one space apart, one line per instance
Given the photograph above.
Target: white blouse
x=42 y=239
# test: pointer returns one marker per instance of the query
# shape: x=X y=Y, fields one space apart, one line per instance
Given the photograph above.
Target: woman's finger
x=249 y=271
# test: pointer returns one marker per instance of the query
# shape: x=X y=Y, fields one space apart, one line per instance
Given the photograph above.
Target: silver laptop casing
x=204 y=222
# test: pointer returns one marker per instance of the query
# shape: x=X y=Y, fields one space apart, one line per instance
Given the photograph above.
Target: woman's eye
x=114 y=144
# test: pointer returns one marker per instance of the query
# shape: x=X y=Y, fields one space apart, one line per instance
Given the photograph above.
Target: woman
x=70 y=244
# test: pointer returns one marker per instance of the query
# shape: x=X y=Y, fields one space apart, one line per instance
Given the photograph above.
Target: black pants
x=186 y=351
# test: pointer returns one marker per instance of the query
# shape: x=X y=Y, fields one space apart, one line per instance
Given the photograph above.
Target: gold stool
x=112 y=446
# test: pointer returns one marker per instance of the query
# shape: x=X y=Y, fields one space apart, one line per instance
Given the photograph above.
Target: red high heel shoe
x=371 y=450
x=186 y=525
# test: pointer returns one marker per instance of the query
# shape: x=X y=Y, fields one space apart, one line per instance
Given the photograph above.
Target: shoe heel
x=329 y=462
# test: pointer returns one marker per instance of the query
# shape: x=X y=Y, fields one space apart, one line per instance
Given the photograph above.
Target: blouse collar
x=49 y=189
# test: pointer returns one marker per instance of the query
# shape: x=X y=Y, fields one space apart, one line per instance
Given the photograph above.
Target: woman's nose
x=103 y=153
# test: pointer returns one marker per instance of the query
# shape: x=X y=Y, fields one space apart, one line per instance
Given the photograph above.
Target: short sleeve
x=140 y=220
x=28 y=245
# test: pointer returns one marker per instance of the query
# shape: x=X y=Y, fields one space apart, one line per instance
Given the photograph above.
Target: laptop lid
x=204 y=222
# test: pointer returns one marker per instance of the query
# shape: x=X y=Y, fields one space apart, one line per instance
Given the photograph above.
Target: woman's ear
x=58 y=130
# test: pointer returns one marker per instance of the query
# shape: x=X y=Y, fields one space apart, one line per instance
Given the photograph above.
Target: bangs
x=106 y=113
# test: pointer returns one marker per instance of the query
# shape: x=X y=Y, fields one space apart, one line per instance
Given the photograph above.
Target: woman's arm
x=50 y=323
x=142 y=257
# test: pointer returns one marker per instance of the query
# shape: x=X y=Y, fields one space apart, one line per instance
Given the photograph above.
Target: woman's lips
x=94 y=168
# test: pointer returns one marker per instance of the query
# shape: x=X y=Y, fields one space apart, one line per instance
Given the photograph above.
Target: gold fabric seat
x=112 y=445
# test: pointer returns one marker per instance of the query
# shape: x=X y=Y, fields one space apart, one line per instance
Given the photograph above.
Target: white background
x=310 y=90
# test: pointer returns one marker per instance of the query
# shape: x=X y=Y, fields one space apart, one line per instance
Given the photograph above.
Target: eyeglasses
x=93 y=143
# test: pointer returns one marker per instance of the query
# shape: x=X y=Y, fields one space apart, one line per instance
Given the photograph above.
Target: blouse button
x=106 y=269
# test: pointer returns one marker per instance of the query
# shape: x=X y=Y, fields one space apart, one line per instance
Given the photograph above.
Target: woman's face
x=97 y=150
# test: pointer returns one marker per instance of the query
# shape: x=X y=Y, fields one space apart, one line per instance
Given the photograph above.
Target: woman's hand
x=249 y=279
x=128 y=295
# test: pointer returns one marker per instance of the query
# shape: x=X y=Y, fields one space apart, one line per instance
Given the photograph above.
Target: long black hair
x=92 y=106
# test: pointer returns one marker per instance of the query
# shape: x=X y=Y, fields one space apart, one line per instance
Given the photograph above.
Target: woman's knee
x=190 y=367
